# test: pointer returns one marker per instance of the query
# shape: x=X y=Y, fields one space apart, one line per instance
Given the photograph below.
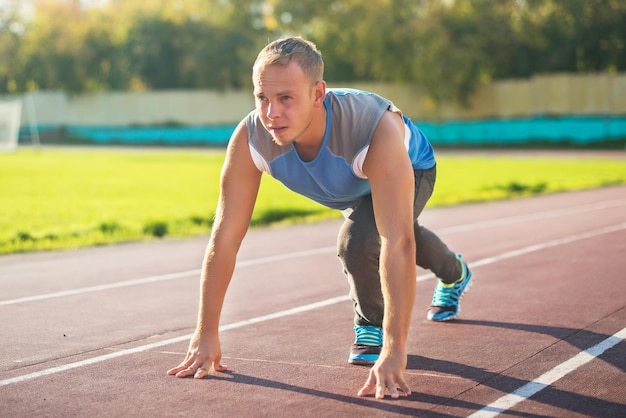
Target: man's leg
x=358 y=247
x=433 y=254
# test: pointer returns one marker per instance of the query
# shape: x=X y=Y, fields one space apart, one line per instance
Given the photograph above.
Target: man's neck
x=309 y=146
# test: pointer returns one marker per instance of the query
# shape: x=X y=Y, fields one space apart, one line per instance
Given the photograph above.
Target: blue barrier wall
x=575 y=130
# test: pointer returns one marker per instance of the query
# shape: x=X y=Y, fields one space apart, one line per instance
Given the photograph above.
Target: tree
x=449 y=48
x=11 y=31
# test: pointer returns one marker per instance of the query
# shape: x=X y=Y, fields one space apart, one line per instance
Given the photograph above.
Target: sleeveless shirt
x=335 y=178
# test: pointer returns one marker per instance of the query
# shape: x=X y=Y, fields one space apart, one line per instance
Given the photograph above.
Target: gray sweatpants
x=358 y=248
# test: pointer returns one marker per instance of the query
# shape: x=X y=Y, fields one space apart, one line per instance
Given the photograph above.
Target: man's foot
x=367 y=345
x=446 y=298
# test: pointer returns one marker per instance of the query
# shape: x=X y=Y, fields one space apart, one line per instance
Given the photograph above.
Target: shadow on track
x=582 y=339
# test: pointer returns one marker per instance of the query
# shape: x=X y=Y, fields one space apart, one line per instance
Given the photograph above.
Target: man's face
x=285 y=100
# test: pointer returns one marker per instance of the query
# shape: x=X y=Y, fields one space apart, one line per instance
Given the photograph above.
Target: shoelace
x=369 y=335
x=444 y=294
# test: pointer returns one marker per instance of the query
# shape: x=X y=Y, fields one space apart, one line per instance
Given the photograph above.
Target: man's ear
x=319 y=92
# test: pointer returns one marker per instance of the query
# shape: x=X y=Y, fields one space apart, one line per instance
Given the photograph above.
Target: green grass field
x=70 y=198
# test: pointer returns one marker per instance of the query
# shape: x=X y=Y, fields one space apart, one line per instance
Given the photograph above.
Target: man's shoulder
x=352 y=94
x=255 y=130
x=347 y=100
x=253 y=123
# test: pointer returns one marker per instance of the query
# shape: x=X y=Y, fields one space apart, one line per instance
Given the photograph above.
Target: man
x=349 y=150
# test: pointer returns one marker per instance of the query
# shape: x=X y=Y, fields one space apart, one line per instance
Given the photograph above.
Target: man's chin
x=279 y=141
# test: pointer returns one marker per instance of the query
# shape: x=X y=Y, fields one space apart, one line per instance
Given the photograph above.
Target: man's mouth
x=278 y=129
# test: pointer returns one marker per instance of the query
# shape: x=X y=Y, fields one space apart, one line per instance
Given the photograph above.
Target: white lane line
x=556 y=213
x=536 y=247
x=289 y=312
x=531 y=388
x=108 y=286
x=548 y=244
x=92 y=360
x=323 y=250
x=121 y=353
x=161 y=278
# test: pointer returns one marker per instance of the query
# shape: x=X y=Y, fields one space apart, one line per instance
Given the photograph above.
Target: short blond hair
x=283 y=51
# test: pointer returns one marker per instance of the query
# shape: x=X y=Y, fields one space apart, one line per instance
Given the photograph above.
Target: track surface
x=541 y=333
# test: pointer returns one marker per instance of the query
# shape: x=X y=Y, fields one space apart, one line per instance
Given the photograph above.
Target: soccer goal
x=10 y=114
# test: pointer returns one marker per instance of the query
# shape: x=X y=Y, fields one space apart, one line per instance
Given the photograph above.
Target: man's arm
x=239 y=182
x=390 y=173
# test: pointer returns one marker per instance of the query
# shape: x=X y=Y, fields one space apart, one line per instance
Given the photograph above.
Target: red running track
x=92 y=332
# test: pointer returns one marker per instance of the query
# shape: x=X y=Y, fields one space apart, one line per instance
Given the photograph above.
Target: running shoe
x=367 y=345
x=446 y=298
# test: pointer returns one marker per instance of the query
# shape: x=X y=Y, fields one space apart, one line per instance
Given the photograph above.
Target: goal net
x=10 y=114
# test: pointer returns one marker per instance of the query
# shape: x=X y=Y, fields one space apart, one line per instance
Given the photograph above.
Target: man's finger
x=200 y=373
x=380 y=389
x=217 y=364
x=189 y=371
x=175 y=370
x=370 y=384
x=365 y=390
x=405 y=387
x=398 y=387
x=219 y=367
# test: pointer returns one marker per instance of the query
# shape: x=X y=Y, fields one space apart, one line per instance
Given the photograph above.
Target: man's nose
x=272 y=110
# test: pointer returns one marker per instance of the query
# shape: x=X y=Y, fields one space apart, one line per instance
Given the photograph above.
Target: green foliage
x=109 y=227
x=446 y=47
x=280 y=214
x=190 y=54
x=157 y=229
x=516 y=188
x=56 y=198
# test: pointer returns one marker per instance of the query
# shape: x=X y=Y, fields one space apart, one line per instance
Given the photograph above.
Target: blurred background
x=471 y=73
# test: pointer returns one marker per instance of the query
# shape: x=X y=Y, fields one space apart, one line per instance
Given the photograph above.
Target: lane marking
x=93 y=360
x=161 y=278
x=531 y=388
x=536 y=247
x=98 y=288
x=292 y=311
x=549 y=244
x=142 y=348
x=535 y=216
x=322 y=250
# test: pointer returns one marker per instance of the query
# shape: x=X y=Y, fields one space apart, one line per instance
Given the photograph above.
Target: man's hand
x=204 y=352
x=387 y=373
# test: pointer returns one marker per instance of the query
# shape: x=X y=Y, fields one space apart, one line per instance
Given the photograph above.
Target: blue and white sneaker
x=446 y=298
x=367 y=345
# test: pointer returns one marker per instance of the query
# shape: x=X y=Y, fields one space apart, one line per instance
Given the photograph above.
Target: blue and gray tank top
x=335 y=177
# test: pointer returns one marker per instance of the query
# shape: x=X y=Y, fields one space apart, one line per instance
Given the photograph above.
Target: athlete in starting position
x=349 y=150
